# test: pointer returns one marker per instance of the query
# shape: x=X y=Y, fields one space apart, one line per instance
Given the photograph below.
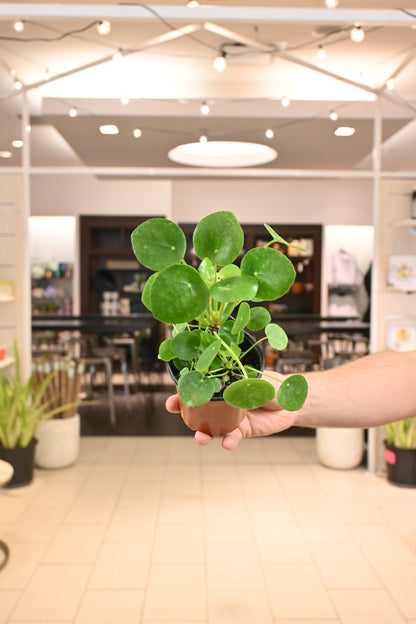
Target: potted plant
x=24 y=403
x=400 y=452
x=211 y=356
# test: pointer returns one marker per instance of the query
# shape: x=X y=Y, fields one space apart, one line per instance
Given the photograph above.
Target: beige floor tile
x=336 y=481
x=265 y=508
x=182 y=480
x=8 y=599
x=259 y=479
x=37 y=524
x=183 y=450
x=121 y=566
x=279 y=543
x=366 y=605
x=355 y=507
x=250 y=451
x=281 y=451
x=132 y=525
x=75 y=543
x=239 y=606
x=185 y=509
x=382 y=543
x=110 y=607
x=226 y=520
x=233 y=565
x=308 y=621
x=320 y=522
x=403 y=518
x=400 y=580
x=176 y=593
x=343 y=566
x=296 y=591
x=139 y=494
x=178 y=543
x=22 y=562
x=53 y=593
x=119 y=450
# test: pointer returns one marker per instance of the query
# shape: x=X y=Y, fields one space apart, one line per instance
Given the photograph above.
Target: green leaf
x=166 y=352
x=195 y=389
x=147 y=290
x=186 y=345
x=178 y=294
x=276 y=336
x=276 y=237
x=234 y=288
x=219 y=237
x=157 y=243
x=207 y=271
x=226 y=332
x=229 y=270
x=249 y=393
x=273 y=270
x=243 y=316
x=207 y=357
x=259 y=317
x=292 y=393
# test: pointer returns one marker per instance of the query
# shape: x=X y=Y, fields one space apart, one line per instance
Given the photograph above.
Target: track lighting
x=321 y=52
x=18 y=84
x=73 y=112
x=204 y=108
x=269 y=133
x=285 y=101
x=137 y=133
x=117 y=55
x=103 y=27
x=220 y=63
x=333 y=115
x=357 y=34
x=19 y=26
x=124 y=100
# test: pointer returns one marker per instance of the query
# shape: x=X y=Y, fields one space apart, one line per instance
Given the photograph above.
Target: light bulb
x=220 y=63
x=103 y=27
x=18 y=84
x=19 y=26
x=109 y=129
x=117 y=55
x=333 y=115
x=204 y=108
x=17 y=143
x=73 y=112
x=124 y=100
x=203 y=138
x=331 y=4
x=13 y=73
x=390 y=84
x=137 y=133
x=269 y=133
x=344 y=131
x=285 y=101
x=5 y=154
x=321 y=52
x=46 y=74
x=357 y=34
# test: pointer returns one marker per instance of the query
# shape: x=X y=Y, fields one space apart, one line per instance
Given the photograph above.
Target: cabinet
x=108 y=262
x=305 y=295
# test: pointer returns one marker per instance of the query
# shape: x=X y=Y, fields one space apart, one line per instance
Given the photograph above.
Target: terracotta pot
x=218 y=417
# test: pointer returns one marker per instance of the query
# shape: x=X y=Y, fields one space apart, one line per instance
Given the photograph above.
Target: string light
x=321 y=52
x=220 y=63
x=390 y=84
x=137 y=133
x=285 y=101
x=357 y=34
x=19 y=26
x=204 y=108
x=124 y=100
x=117 y=55
x=203 y=138
x=269 y=133
x=333 y=115
x=73 y=112
x=103 y=27
x=331 y=4
x=18 y=84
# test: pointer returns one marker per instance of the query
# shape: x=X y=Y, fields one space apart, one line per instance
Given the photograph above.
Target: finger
x=203 y=438
x=172 y=404
x=231 y=440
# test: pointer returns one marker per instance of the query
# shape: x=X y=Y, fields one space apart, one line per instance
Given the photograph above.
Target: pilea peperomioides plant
x=209 y=309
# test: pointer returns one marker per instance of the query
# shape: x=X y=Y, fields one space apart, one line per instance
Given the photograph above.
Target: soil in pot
x=218 y=417
x=23 y=460
x=401 y=466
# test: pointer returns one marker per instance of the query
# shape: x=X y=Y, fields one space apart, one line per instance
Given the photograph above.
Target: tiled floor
x=161 y=531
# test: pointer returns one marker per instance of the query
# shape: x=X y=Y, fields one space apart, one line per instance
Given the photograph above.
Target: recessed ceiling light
x=137 y=133
x=17 y=143
x=109 y=129
x=344 y=131
x=5 y=154
x=222 y=154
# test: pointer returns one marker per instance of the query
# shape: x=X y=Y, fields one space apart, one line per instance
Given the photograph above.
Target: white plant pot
x=58 y=442
x=340 y=448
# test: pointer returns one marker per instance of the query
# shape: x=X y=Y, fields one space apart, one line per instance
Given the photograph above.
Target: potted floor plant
x=24 y=403
x=215 y=362
x=400 y=452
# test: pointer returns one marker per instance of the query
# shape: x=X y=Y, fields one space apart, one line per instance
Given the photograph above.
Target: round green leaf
x=146 y=291
x=208 y=356
x=259 y=317
x=276 y=336
x=178 y=294
x=249 y=393
x=292 y=393
x=157 y=243
x=234 y=288
x=207 y=271
x=185 y=345
x=166 y=352
x=219 y=237
x=229 y=270
x=242 y=318
x=273 y=270
x=195 y=389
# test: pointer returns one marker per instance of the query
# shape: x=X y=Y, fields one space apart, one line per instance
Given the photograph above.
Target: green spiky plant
x=24 y=404
x=402 y=433
x=211 y=307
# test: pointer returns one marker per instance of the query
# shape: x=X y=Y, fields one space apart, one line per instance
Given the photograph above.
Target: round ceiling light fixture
x=222 y=154
x=109 y=129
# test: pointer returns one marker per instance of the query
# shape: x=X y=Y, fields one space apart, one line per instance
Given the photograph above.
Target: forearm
x=367 y=392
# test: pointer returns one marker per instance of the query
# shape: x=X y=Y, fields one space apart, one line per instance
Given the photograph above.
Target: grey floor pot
x=340 y=448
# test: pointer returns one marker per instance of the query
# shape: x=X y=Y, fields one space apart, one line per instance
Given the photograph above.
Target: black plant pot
x=401 y=466
x=23 y=460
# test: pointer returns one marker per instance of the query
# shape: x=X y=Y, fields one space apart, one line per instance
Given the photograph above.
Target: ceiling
x=166 y=73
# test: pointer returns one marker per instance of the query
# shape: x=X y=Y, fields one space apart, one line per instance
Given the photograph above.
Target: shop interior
x=97 y=102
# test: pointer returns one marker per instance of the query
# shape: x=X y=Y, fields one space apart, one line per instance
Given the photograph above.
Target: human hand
x=263 y=421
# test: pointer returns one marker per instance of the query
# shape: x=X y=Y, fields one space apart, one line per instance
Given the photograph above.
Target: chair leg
x=109 y=374
x=125 y=372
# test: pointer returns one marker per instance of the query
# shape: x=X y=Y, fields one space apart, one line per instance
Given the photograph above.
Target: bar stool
x=91 y=364
x=113 y=354
x=130 y=343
